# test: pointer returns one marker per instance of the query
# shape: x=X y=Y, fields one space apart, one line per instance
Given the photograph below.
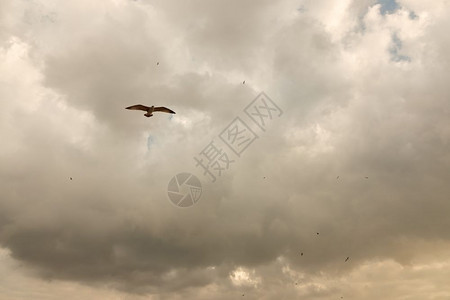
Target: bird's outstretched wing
x=164 y=109
x=138 y=107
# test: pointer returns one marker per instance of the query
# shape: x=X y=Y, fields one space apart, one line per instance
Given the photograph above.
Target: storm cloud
x=357 y=164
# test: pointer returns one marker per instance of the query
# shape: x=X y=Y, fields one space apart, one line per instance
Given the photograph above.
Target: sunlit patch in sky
x=244 y=277
x=388 y=6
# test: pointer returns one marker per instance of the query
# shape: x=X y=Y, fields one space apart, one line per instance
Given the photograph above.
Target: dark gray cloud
x=349 y=110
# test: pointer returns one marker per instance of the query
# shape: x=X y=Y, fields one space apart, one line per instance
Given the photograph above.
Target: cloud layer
x=356 y=166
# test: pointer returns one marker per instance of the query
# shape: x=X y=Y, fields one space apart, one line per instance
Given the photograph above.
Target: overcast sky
x=354 y=164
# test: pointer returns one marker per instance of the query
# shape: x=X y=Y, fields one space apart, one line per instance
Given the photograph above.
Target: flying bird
x=70 y=178
x=347 y=258
x=150 y=109
x=243 y=82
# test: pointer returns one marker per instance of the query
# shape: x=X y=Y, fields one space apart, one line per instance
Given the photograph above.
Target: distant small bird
x=157 y=63
x=347 y=258
x=150 y=109
x=70 y=178
x=264 y=177
x=367 y=177
x=243 y=82
x=337 y=177
x=317 y=233
x=301 y=254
